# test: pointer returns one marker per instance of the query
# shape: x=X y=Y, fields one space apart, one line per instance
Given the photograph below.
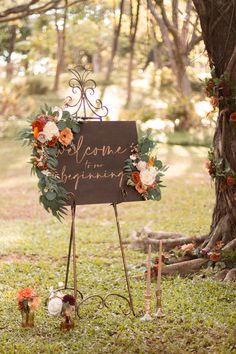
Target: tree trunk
x=218 y=22
x=61 y=40
x=115 y=42
x=133 y=32
x=12 y=41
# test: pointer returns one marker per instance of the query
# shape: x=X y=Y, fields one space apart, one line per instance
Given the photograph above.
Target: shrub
x=35 y=85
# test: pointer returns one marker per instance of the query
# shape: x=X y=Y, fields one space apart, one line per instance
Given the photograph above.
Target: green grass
x=200 y=313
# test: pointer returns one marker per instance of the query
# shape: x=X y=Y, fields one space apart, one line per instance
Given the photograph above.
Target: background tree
x=179 y=34
x=134 y=19
x=60 y=24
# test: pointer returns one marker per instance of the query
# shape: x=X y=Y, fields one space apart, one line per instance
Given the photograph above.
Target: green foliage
x=143 y=114
x=35 y=85
x=182 y=114
x=44 y=161
x=194 y=137
x=229 y=258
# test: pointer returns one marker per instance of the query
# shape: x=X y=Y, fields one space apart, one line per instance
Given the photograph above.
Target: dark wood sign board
x=93 y=170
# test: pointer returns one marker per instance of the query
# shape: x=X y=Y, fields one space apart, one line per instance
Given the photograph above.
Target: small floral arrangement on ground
x=50 y=131
x=28 y=302
x=144 y=171
x=219 y=168
x=60 y=305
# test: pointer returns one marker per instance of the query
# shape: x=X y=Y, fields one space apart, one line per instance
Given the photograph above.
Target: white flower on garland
x=148 y=176
x=46 y=172
x=50 y=130
x=42 y=138
x=141 y=165
x=55 y=306
x=59 y=112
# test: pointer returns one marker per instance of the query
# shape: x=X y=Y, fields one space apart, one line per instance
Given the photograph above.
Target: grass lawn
x=200 y=312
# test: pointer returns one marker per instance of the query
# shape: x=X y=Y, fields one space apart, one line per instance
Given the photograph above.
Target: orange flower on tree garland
x=230 y=180
x=232 y=117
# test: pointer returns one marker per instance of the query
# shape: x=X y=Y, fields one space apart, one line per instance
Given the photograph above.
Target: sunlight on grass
x=199 y=312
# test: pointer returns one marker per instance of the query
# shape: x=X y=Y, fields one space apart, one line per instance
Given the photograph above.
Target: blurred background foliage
x=148 y=60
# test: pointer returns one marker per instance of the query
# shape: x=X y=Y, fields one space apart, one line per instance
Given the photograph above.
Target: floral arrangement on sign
x=144 y=171
x=60 y=305
x=221 y=95
x=50 y=131
x=28 y=302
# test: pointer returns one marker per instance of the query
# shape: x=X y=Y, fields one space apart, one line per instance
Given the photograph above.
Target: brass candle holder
x=147 y=315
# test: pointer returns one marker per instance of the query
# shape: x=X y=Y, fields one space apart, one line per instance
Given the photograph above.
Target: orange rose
x=135 y=177
x=34 y=303
x=25 y=293
x=232 y=117
x=187 y=247
x=214 y=101
x=139 y=188
x=230 y=181
x=66 y=136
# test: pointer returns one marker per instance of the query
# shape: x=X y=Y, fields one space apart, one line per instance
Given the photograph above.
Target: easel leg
x=72 y=246
x=124 y=259
x=74 y=253
x=69 y=256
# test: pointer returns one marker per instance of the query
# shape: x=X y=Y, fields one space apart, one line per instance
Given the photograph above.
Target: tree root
x=230 y=246
x=141 y=239
x=186 y=267
x=226 y=275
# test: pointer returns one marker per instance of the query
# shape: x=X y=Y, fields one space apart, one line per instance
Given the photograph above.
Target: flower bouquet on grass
x=50 y=132
x=144 y=171
x=28 y=302
x=64 y=306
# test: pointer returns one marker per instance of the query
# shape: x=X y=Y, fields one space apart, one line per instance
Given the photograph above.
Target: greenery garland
x=144 y=171
x=50 y=131
x=222 y=96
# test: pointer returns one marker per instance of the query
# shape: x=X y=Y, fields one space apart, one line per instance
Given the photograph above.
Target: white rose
x=55 y=306
x=141 y=165
x=50 y=130
x=148 y=176
x=42 y=137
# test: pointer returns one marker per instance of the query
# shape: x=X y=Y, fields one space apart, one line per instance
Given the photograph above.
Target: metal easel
x=83 y=109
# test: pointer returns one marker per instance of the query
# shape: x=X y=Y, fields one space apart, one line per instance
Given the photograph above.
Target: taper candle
x=159 y=267
x=159 y=312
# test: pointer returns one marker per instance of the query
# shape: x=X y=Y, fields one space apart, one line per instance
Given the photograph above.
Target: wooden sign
x=93 y=170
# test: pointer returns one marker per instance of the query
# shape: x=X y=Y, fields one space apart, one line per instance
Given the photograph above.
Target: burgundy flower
x=70 y=299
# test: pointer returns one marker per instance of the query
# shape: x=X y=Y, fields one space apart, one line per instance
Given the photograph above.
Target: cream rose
x=141 y=165
x=42 y=138
x=50 y=130
x=55 y=306
x=148 y=176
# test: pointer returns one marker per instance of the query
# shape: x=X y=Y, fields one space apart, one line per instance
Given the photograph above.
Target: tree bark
x=133 y=32
x=218 y=22
x=12 y=41
x=116 y=35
